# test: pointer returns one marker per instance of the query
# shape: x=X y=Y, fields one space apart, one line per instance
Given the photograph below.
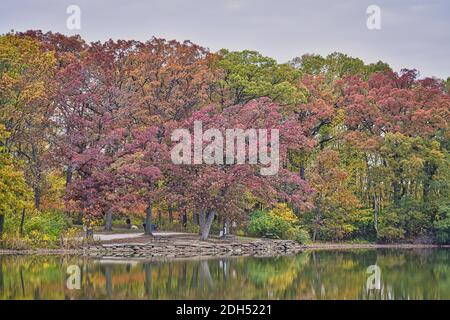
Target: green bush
x=263 y=224
x=391 y=234
x=51 y=223
x=442 y=226
x=192 y=228
x=299 y=235
x=40 y=229
x=390 y=227
x=406 y=221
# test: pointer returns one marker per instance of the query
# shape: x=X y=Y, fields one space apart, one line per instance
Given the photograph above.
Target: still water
x=342 y=274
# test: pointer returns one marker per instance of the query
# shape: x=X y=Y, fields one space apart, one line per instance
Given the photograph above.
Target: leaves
x=363 y=149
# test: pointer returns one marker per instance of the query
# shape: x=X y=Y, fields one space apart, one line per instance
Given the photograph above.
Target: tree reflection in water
x=340 y=274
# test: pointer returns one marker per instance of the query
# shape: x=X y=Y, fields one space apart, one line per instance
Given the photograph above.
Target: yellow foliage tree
x=14 y=192
x=283 y=211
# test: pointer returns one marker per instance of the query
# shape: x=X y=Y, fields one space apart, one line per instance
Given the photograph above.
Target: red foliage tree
x=224 y=189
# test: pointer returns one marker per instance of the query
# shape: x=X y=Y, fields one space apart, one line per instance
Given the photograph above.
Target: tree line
x=86 y=128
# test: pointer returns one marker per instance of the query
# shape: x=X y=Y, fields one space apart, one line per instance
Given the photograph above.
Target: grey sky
x=414 y=34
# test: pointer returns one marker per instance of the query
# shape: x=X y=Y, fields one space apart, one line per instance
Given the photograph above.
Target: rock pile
x=194 y=248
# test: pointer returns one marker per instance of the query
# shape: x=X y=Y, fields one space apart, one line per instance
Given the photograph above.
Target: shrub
x=264 y=224
x=391 y=234
x=40 y=229
x=45 y=228
x=363 y=222
x=408 y=220
x=442 y=226
x=390 y=226
x=52 y=223
x=192 y=228
x=13 y=243
x=279 y=222
x=299 y=235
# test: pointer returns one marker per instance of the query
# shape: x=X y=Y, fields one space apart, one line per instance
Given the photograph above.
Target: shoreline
x=349 y=246
x=212 y=248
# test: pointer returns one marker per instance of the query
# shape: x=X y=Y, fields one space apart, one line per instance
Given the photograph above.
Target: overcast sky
x=414 y=34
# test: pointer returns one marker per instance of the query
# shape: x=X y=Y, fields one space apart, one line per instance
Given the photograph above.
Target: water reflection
x=405 y=274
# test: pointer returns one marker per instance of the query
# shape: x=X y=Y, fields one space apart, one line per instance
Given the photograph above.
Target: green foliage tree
x=336 y=65
x=442 y=224
x=247 y=75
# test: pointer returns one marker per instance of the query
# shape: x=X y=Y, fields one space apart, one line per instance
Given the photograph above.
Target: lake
x=337 y=274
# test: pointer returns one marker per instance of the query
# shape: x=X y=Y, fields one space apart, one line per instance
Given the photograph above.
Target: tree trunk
x=69 y=174
x=159 y=218
x=302 y=171
x=108 y=220
x=375 y=211
x=207 y=225
x=22 y=222
x=430 y=170
x=317 y=223
x=396 y=186
x=201 y=221
x=148 y=219
x=2 y=220
x=184 y=220
x=89 y=229
x=426 y=190
x=37 y=197
x=37 y=176
x=80 y=218
x=170 y=214
x=226 y=226
x=195 y=218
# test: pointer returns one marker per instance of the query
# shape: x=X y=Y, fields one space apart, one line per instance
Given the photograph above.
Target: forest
x=85 y=139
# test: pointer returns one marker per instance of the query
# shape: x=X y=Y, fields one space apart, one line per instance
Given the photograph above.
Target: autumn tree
x=223 y=188
x=15 y=195
x=91 y=110
x=140 y=167
x=26 y=86
x=399 y=123
x=373 y=143
x=167 y=80
x=334 y=204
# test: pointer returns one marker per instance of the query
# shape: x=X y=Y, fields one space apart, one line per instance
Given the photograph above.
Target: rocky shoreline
x=191 y=247
x=176 y=249
x=185 y=249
